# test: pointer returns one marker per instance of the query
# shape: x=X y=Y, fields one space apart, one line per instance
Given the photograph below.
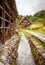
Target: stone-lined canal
x=25 y=56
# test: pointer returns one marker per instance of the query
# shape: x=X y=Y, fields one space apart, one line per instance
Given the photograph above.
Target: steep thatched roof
x=26 y=19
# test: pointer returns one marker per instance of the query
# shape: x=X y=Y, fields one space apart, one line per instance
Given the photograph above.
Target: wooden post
x=10 y=26
x=3 y=23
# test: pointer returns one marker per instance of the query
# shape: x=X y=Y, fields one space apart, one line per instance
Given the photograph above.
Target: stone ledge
x=8 y=53
x=38 y=52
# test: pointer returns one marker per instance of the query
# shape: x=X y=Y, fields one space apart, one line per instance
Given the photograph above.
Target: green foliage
x=18 y=19
x=26 y=34
x=41 y=20
x=19 y=34
x=35 y=27
x=39 y=17
x=37 y=55
x=39 y=42
x=40 y=14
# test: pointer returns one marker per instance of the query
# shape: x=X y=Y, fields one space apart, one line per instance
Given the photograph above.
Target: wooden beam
x=9 y=8
x=1 y=7
x=3 y=23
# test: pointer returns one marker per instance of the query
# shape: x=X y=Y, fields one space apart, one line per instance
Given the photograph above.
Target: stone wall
x=38 y=52
x=8 y=52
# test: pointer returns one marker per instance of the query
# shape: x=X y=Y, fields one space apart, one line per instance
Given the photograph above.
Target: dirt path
x=25 y=56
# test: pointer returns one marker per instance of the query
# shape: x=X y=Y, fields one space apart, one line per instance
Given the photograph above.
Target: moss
x=39 y=42
x=19 y=35
x=37 y=56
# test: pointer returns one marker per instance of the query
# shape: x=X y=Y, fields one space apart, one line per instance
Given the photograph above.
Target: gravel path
x=25 y=56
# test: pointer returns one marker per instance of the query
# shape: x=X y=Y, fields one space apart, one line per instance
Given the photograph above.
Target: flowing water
x=25 y=56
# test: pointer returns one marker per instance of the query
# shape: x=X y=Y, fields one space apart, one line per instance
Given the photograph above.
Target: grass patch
x=31 y=36
x=19 y=35
x=40 y=29
x=39 y=42
x=26 y=34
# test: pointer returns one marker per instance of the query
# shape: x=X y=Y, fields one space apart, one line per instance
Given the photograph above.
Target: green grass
x=26 y=34
x=39 y=30
x=39 y=42
x=31 y=36
x=42 y=30
x=19 y=35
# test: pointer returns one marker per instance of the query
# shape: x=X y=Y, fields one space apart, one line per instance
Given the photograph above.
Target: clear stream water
x=25 y=56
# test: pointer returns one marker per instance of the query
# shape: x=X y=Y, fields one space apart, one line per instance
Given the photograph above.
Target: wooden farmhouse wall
x=8 y=14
